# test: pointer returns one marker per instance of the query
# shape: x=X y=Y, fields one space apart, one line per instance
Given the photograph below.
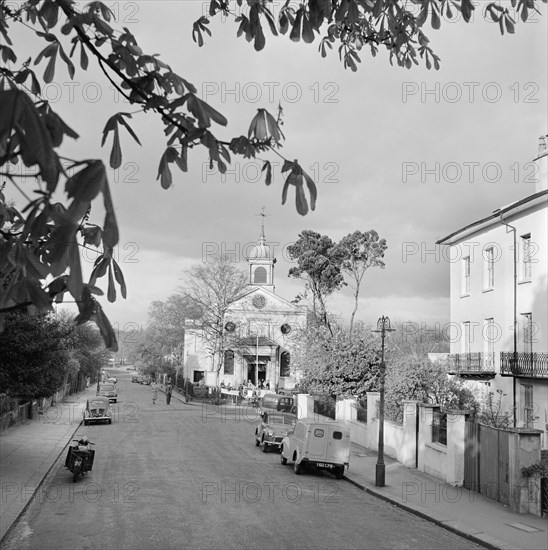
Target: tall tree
x=319 y=266
x=35 y=355
x=214 y=286
x=358 y=252
x=39 y=244
x=166 y=329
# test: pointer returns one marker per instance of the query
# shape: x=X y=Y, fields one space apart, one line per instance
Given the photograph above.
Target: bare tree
x=214 y=286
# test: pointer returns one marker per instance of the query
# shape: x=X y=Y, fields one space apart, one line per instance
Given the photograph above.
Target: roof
x=514 y=206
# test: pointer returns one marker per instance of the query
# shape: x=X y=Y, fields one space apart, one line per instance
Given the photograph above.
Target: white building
x=259 y=332
x=498 y=300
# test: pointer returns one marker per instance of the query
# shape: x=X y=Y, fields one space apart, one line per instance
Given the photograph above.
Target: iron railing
x=526 y=365
x=471 y=363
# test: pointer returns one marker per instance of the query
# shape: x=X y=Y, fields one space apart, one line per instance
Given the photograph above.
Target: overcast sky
x=413 y=154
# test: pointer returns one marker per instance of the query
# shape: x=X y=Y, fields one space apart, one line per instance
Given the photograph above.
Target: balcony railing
x=524 y=365
x=474 y=365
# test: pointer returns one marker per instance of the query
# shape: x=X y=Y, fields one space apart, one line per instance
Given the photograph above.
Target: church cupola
x=261 y=262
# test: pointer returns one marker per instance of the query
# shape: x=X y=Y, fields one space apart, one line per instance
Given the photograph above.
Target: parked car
x=274 y=426
x=321 y=445
x=112 y=380
x=273 y=401
x=108 y=390
x=97 y=410
x=135 y=379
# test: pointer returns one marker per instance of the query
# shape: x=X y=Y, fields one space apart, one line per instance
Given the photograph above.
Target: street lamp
x=383 y=326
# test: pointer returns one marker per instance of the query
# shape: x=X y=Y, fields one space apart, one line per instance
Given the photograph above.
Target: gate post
x=523 y=450
x=456 y=436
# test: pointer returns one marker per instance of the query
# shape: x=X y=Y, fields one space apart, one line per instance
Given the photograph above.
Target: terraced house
x=498 y=297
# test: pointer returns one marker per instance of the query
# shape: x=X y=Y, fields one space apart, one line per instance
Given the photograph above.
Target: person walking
x=154 y=392
x=169 y=390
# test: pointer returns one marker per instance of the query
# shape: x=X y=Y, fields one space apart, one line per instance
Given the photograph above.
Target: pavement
x=30 y=450
x=464 y=512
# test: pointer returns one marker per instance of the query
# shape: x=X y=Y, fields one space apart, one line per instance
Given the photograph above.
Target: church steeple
x=261 y=261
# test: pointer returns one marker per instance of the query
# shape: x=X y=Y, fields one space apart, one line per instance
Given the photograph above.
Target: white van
x=322 y=445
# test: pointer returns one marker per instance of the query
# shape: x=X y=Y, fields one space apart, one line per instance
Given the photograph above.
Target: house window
x=467 y=337
x=489 y=257
x=526 y=252
x=527 y=324
x=490 y=335
x=285 y=370
x=260 y=275
x=466 y=275
x=229 y=362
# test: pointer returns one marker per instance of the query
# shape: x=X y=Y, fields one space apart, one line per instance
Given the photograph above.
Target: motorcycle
x=80 y=458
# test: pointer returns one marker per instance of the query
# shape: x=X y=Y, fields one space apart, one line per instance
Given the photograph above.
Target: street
x=189 y=476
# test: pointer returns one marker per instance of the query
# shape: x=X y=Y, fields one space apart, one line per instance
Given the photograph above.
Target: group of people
x=168 y=390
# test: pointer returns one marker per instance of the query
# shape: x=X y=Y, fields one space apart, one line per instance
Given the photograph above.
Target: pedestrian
x=154 y=393
x=168 y=393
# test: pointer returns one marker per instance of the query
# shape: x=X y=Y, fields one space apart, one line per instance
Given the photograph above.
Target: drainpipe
x=515 y=358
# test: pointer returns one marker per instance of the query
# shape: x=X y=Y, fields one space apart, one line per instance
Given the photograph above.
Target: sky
x=413 y=154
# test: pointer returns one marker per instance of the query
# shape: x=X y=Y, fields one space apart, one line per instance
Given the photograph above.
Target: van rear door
x=317 y=442
x=338 y=445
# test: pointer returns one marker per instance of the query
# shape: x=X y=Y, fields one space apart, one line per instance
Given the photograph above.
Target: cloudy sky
x=413 y=154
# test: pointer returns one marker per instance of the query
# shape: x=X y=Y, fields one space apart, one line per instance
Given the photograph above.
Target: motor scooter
x=80 y=458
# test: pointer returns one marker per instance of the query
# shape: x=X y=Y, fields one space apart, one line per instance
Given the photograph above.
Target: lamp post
x=383 y=326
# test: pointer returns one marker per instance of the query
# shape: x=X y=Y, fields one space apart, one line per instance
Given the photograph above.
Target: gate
x=486 y=461
x=471 y=456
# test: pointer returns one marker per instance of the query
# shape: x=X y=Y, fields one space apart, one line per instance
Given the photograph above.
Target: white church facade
x=260 y=329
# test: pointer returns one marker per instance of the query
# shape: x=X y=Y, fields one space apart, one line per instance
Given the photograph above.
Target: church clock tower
x=261 y=262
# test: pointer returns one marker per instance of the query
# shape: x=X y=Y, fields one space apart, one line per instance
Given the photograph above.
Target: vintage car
x=321 y=445
x=274 y=426
x=97 y=410
x=109 y=391
x=135 y=379
x=273 y=401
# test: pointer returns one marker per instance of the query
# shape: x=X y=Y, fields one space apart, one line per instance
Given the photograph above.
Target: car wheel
x=283 y=460
x=85 y=422
x=110 y=420
x=339 y=472
x=257 y=442
x=265 y=447
x=298 y=467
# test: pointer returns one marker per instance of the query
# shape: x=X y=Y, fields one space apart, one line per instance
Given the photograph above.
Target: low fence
x=16 y=410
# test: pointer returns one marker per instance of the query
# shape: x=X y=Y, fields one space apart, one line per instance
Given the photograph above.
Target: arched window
x=284 y=364
x=229 y=362
x=260 y=275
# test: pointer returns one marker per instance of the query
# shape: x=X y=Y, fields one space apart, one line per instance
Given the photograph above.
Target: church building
x=260 y=329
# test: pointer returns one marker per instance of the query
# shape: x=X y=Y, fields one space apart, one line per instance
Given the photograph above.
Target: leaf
x=110 y=226
x=92 y=235
x=84 y=60
x=119 y=278
x=204 y=112
x=268 y=167
x=49 y=73
x=116 y=151
x=111 y=292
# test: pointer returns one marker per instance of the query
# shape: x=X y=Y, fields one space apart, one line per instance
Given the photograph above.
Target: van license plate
x=324 y=465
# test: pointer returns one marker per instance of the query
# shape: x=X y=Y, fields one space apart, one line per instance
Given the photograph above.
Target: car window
x=318 y=432
x=276 y=419
x=107 y=387
x=337 y=435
